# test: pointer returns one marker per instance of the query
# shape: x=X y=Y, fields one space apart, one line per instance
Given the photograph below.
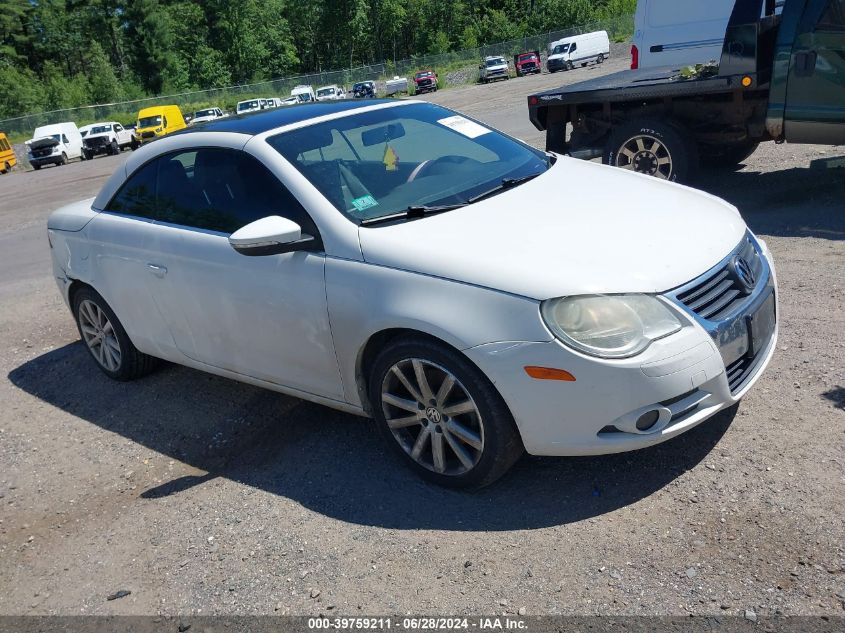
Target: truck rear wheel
x=662 y=149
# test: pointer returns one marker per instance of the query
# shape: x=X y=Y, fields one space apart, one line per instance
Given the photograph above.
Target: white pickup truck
x=108 y=137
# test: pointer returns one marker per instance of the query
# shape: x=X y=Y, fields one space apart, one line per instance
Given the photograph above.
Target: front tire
x=63 y=160
x=106 y=340
x=442 y=414
x=6 y=168
x=658 y=148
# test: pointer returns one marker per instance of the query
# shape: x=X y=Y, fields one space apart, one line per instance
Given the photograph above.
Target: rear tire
x=106 y=340
x=663 y=149
x=600 y=59
x=460 y=436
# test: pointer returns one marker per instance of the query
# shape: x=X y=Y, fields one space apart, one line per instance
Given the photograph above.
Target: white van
x=54 y=145
x=582 y=49
x=304 y=94
x=679 y=32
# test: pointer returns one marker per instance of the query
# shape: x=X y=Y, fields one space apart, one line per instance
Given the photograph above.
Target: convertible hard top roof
x=260 y=122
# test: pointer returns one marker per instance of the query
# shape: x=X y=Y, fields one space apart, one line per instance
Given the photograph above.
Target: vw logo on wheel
x=744 y=273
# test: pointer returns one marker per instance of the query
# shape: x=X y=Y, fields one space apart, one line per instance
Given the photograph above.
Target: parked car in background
x=106 y=138
x=679 y=32
x=209 y=114
x=54 y=145
x=463 y=297
x=527 y=63
x=425 y=81
x=364 y=89
x=304 y=93
x=493 y=67
x=7 y=155
x=157 y=121
x=396 y=85
x=248 y=105
x=290 y=101
x=578 y=50
x=330 y=93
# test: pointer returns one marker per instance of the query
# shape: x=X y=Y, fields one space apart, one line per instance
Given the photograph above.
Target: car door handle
x=158 y=271
x=805 y=63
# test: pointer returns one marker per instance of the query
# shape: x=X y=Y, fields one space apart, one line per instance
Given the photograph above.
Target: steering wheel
x=438 y=165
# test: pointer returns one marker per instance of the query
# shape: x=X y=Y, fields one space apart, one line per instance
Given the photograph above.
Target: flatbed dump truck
x=781 y=78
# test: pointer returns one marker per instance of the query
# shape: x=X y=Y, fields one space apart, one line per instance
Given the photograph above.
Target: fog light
x=648 y=420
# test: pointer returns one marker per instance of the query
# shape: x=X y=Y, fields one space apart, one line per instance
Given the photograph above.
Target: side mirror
x=272 y=235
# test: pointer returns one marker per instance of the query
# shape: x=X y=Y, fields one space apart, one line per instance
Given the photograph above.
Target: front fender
x=365 y=299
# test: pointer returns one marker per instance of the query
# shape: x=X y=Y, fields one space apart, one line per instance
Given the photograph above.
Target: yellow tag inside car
x=390 y=159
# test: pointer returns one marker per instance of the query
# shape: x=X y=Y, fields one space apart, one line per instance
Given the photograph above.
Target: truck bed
x=629 y=85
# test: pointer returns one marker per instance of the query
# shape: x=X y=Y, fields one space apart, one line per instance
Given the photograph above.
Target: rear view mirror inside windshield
x=383 y=134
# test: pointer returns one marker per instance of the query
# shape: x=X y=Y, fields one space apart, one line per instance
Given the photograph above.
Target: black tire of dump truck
x=663 y=149
x=727 y=156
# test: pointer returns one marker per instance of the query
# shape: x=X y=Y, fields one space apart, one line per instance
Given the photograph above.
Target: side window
x=65 y=140
x=164 y=118
x=574 y=47
x=222 y=190
x=118 y=127
x=137 y=195
x=833 y=18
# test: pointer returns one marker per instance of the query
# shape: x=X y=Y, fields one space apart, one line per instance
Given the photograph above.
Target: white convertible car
x=477 y=297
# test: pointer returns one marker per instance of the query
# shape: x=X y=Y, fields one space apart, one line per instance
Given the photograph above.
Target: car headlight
x=609 y=326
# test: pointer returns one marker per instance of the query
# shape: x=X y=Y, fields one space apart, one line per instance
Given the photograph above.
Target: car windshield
x=495 y=62
x=525 y=58
x=99 y=129
x=247 y=105
x=150 y=121
x=425 y=73
x=209 y=112
x=560 y=48
x=303 y=97
x=375 y=164
x=324 y=92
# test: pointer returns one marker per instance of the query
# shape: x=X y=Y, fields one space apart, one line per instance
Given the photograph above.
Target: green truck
x=781 y=78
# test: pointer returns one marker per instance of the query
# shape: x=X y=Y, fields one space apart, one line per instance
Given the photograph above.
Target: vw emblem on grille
x=744 y=273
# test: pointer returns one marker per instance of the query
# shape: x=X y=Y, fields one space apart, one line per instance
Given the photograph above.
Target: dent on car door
x=815 y=98
x=263 y=317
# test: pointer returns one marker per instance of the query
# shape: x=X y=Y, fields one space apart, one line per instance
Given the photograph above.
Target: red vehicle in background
x=425 y=81
x=527 y=63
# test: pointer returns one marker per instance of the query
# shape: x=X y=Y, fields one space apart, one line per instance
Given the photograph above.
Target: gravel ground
x=204 y=496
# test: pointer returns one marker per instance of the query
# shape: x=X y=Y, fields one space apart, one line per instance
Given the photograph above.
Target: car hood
x=98 y=135
x=42 y=142
x=580 y=228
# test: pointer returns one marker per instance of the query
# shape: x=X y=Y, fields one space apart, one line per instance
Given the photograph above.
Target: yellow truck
x=157 y=121
x=7 y=155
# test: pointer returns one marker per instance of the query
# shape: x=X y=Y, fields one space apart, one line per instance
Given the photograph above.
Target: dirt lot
x=204 y=496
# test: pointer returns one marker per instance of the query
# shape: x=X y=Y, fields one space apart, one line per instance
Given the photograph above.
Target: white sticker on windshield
x=468 y=128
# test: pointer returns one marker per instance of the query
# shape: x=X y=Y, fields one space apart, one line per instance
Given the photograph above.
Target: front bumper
x=556 y=64
x=683 y=377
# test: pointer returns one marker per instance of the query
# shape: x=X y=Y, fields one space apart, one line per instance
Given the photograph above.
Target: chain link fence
x=455 y=68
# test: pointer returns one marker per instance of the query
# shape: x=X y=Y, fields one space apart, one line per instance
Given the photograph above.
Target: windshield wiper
x=413 y=212
x=507 y=183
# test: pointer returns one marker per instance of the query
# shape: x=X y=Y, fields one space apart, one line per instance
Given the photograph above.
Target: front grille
x=424 y=82
x=148 y=135
x=42 y=153
x=722 y=292
x=738 y=371
x=96 y=142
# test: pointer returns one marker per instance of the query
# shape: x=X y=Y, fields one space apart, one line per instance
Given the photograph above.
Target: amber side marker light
x=547 y=373
x=747 y=81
